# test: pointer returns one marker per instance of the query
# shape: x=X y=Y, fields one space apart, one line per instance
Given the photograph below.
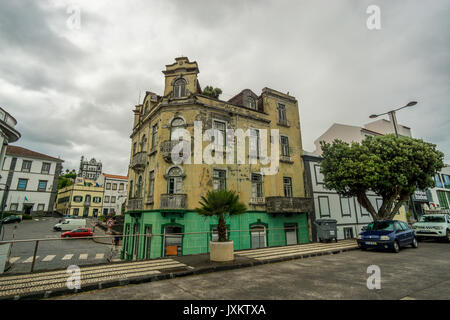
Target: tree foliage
x=392 y=167
x=218 y=203
x=66 y=180
x=212 y=92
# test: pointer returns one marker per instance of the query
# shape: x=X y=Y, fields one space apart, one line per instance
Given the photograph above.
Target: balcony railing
x=167 y=147
x=173 y=201
x=286 y=159
x=139 y=161
x=258 y=200
x=288 y=204
x=134 y=204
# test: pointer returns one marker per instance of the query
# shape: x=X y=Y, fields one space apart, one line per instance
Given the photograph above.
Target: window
x=364 y=212
x=14 y=206
x=106 y=199
x=151 y=183
x=87 y=199
x=443 y=201
x=45 y=168
x=281 y=113
x=22 y=184
x=254 y=143
x=257 y=185
x=108 y=186
x=76 y=211
x=345 y=207
x=154 y=135
x=220 y=128
x=139 y=188
x=179 y=88
x=379 y=203
x=319 y=175
x=134 y=147
x=324 y=206
x=114 y=186
x=42 y=185
x=219 y=179
x=437 y=180
x=77 y=199
x=404 y=226
x=113 y=199
x=175 y=181
x=26 y=166
x=251 y=103
x=175 y=125
x=143 y=142
x=121 y=187
x=287 y=186
x=97 y=199
x=41 y=207
x=130 y=194
x=284 y=146
x=446 y=180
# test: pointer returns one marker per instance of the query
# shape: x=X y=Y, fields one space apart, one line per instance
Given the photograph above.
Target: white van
x=70 y=224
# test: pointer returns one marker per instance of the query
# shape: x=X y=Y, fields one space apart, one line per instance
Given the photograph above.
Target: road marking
x=30 y=259
x=67 y=257
x=83 y=256
x=49 y=257
x=14 y=259
x=99 y=256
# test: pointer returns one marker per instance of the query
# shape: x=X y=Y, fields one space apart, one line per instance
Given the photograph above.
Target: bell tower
x=181 y=78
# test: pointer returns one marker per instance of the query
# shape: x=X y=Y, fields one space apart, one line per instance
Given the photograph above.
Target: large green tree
x=212 y=92
x=219 y=203
x=392 y=167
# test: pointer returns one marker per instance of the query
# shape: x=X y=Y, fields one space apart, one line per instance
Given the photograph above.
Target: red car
x=77 y=233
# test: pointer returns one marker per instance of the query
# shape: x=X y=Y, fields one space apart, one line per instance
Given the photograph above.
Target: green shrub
x=27 y=217
x=102 y=218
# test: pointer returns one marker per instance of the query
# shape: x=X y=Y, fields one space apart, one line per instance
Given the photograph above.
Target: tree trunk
x=397 y=206
x=222 y=228
x=364 y=201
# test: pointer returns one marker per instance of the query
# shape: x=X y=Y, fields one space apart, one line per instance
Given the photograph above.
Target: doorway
x=28 y=208
x=258 y=236
x=173 y=241
x=291 y=234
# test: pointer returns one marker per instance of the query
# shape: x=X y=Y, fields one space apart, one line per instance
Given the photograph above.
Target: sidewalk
x=47 y=284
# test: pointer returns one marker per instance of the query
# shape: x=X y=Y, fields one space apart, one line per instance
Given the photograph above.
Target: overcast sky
x=73 y=90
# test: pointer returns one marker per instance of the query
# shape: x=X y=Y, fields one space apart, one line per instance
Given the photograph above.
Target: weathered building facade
x=162 y=195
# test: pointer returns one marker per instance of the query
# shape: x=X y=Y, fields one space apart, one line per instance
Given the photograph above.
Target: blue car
x=387 y=234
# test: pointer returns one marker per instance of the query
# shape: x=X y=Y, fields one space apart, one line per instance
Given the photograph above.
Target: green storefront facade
x=253 y=229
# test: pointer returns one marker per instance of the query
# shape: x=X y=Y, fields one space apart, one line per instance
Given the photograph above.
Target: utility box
x=326 y=229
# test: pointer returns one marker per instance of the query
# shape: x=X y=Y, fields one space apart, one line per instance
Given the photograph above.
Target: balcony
x=139 y=161
x=288 y=205
x=167 y=147
x=283 y=122
x=286 y=159
x=173 y=201
x=134 y=204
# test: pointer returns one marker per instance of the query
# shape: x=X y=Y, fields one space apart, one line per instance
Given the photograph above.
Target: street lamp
x=392 y=115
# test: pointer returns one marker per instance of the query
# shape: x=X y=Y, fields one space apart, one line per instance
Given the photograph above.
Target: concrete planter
x=4 y=256
x=221 y=251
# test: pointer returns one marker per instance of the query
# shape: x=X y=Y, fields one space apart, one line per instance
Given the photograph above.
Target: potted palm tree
x=218 y=203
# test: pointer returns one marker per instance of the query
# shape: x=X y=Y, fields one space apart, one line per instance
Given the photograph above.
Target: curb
x=152 y=278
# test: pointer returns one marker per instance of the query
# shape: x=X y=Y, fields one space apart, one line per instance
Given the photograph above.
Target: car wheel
x=396 y=247
x=414 y=243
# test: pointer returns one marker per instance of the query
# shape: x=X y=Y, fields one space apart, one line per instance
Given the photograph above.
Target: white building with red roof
x=115 y=192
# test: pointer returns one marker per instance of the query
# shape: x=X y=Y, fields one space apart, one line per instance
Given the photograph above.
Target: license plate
x=371 y=243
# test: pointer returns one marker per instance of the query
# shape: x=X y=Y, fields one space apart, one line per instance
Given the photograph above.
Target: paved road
x=51 y=254
x=421 y=273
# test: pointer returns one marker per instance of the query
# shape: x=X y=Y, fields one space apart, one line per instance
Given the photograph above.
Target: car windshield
x=381 y=225
x=432 y=219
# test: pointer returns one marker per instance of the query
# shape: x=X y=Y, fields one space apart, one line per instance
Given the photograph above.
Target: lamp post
x=392 y=115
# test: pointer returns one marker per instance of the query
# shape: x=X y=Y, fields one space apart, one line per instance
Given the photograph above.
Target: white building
x=31 y=180
x=351 y=134
x=91 y=169
x=440 y=195
x=115 y=193
x=328 y=204
x=7 y=134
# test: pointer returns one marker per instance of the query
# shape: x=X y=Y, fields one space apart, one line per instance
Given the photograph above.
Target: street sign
x=110 y=222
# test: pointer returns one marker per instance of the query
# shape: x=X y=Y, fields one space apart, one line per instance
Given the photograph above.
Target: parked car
x=11 y=219
x=77 y=233
x=433 y=226
x=387 y=234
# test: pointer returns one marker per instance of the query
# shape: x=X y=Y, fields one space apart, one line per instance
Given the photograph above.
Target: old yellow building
x=162 y=194
x=84 y=198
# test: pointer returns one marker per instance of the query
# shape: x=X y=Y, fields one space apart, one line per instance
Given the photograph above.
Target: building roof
x=22 y=152
x=113 y=176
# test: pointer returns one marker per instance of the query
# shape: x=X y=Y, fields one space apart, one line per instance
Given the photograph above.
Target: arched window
x=139 y=188
x=143 y=142
x=175 y=181
x=179 y=88
x=177 y=123
x=251 y=103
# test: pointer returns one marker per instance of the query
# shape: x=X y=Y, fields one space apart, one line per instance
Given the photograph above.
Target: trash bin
x=326 y=229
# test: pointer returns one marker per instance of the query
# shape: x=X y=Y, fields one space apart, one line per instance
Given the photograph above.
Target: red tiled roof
x=113 y=176
x=22 y=152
